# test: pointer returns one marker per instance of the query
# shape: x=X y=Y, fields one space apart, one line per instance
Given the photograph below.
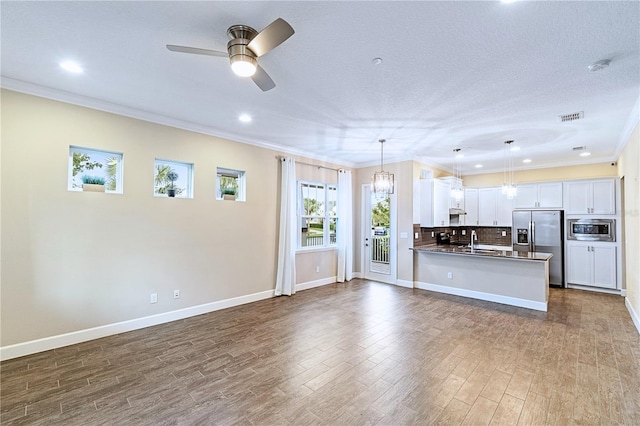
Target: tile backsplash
x=486 y=234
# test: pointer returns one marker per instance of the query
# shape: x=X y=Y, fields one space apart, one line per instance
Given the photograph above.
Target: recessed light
x=526 y=160
x=71 y=66
x=376 y=61
x=478 y=166
x=585 y=154
x=245 y=118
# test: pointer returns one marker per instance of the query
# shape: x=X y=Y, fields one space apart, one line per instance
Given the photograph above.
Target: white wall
x=72 y=260
x=628 y=165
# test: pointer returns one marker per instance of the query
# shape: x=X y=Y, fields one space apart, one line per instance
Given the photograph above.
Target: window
x=182 y=184
x=95 y=165
x=317 y=214
x=230 y=184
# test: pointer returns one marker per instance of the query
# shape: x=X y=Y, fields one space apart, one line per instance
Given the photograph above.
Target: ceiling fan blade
x=271 y=37
x=262 y=79
x=196 y=50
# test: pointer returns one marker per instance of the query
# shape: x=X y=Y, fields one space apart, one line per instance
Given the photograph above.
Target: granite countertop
x=466 y=251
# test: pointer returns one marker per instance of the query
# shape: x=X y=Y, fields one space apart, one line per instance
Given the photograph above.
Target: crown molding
x=100 y=105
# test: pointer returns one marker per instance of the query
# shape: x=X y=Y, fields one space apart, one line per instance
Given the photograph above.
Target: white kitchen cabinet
x=470 y=207
x=494 y=208
x=453 y=184
x=435 y=196
x=504 y=210
x=596 y=196
x=539 y=196
x=591 y=264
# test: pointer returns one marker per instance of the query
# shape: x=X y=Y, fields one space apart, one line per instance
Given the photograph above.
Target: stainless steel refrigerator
x=541 y=231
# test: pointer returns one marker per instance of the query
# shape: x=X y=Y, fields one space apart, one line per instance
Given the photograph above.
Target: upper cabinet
x=435 y=196
x=494 y=208
x=596 y=196
x=539 y=196
x=470 y=207
x=456 y=190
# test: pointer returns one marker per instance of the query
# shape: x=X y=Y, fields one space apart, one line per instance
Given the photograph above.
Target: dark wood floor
x=355 y=353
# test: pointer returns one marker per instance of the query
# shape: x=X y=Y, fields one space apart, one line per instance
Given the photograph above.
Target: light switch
x=416 y=236
x=504 y=233
x=464 y=232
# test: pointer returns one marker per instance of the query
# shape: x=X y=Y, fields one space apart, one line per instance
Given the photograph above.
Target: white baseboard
x=48 y=343
x=53 y=342
x=357 y=275
x=316 y=283
x=634 y=315
x=595 y=289
x=506 y=300
x=404 y=283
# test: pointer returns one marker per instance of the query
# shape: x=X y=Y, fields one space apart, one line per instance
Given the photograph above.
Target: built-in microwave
x=591 y=229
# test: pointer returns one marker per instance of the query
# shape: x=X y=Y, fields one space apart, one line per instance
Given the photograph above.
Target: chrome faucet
x=474 y=237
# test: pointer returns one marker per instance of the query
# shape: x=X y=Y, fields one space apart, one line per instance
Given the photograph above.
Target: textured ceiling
x=455 y=74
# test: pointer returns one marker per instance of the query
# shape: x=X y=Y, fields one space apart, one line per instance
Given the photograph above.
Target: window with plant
x=317 y=214
x=230 y=184
x=173 y=179
x=92 y=166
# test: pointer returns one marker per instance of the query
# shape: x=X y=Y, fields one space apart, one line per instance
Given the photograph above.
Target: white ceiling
x=455 y=74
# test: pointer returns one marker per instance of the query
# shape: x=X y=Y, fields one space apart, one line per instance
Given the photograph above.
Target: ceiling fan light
x=243 y=65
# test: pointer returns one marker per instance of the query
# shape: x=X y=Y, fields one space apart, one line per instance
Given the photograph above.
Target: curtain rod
x=280 y=157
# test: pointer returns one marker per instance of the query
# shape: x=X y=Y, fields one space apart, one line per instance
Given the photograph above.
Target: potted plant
x=172 y=176
x=93 y=183
x=228 y=194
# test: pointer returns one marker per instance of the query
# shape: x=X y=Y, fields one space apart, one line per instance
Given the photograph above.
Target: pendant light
x=382 y=182
x=456 y=188
x=508 y=187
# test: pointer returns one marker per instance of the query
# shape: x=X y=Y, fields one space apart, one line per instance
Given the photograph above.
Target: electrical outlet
x=464 y=232
x=433 y=234
x=449 y=275
x=416 y=235
x=454 y=232
x=153 y=298
x=317 y=269
x=504 y=233
x=176 y=294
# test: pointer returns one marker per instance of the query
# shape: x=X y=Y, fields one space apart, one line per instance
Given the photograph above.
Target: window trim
x=190 y=167
x=326 y=217
x=83 y=150
x=240 y=175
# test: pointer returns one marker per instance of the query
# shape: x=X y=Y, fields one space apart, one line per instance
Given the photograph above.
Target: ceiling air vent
x=572 y=117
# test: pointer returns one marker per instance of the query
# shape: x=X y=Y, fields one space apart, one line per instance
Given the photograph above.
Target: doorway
x=379 y=240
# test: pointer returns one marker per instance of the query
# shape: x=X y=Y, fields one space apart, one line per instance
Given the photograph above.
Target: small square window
x=173 y=179
x=230 y=184
x=91 y=166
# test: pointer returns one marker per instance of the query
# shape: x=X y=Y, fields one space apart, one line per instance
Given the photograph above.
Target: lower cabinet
x=591 y=263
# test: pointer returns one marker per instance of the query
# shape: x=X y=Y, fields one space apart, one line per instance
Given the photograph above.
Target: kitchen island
x=502 y=276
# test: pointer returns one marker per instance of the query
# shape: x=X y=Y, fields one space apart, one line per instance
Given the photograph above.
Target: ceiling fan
x=245 y=47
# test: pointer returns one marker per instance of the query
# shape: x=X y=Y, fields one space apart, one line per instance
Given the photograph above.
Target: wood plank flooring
x=346 y=354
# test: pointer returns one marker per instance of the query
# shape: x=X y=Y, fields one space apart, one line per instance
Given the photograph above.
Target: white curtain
x=286 y=275
x=345 y=227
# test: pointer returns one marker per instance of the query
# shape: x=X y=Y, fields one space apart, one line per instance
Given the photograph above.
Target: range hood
x=456 y=212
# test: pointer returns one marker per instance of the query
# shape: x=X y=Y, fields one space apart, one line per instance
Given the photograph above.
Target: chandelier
x=382 y=182
x=456 y=187
x=508 y=187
